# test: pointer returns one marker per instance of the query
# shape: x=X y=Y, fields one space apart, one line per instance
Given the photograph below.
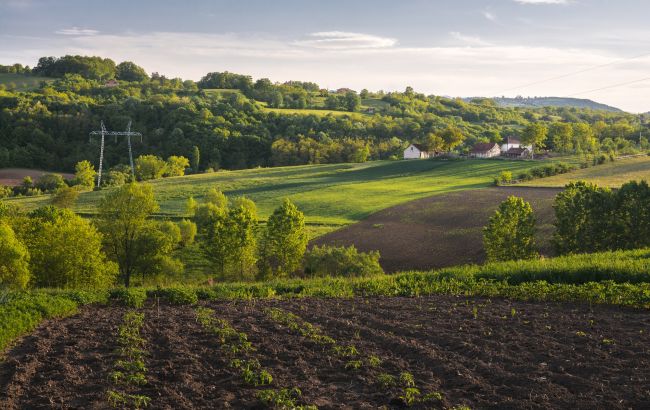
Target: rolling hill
x=533 y=102
x=335 y=194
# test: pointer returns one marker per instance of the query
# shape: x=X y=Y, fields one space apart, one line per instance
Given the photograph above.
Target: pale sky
x=599 y=48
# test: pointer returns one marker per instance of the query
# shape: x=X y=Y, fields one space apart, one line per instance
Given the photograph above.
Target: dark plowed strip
x=297 y=362
x=63 y=364
x=186 y=368
x=504 y=359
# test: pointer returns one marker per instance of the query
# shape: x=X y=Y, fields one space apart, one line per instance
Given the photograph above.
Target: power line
x=610 y=86
x=576 y=72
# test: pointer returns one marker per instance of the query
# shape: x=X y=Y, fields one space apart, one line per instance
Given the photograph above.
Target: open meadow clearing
x=611 y=174
x=427 y=352
x=336 y=194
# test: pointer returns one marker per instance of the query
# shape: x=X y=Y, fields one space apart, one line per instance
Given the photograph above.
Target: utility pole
x=103 y=133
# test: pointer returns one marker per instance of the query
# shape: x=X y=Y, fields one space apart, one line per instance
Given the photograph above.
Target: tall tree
x=14 y=259
x=284 y=241
x=510 y=233
x=195 y=159
x=122 y=219
x=534 y=135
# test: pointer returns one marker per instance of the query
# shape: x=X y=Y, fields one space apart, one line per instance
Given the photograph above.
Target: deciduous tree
x=510 y=233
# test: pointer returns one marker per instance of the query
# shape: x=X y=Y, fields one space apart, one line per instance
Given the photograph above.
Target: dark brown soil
x=487 y=354
x=14 y=176
x=442 y=230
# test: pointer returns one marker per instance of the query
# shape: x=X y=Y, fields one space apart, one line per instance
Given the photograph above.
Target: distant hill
x=528 y=102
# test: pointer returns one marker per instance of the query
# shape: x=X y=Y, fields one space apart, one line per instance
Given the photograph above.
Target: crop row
x=354 y=360
x=129 y=369
x=239 y=349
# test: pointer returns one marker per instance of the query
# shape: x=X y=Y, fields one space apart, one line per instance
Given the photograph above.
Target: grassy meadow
x=329 y=195
x=611 y=174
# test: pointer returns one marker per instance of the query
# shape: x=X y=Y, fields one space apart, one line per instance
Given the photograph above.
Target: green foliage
x=284 y=241
x=195 y=159
x=66 y=252
x=188 y=232
x=130 y=297
x=123 y=215
x=128 y=71
x=216 y=198
x=172 y=231
x=179 y=295
x=510 y=233
x=14 y=259
x=589 y=218
x=50 y=182
x=65 y=197
x=341 y=261
x=231 y=244
x=176 y=166
x=149 y=167
x=22 y=312
x=88 y=67
x=85 y=175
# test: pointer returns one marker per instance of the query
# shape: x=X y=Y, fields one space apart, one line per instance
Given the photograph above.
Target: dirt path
x=442 y=230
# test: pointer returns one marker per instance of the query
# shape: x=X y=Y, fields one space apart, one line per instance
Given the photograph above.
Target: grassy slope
x=307 y=111
x=332 y=194
x=22 y=82
x=611 y=174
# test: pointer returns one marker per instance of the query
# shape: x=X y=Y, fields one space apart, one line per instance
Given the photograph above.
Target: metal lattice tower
x=103 y=133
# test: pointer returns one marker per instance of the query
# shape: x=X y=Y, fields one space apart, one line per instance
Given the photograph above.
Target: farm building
x=111 y=83
x=512 y=142
x=417 y=151
x=521 y=152
x=485 y=150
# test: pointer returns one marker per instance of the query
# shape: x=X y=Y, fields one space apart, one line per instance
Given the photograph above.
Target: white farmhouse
x=485 y=150
x=416 y=151
x=513 y=142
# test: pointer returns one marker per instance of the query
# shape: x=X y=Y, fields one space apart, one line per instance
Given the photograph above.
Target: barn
x=416 y=151
x=485 y=150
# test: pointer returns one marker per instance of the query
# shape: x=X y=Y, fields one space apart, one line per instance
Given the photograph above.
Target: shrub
x=510 y=234
x=341 y=261
x=179 y=295
x=188 y=232
x=131 y=297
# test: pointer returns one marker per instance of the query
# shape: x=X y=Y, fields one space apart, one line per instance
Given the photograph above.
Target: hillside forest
x=231 y=121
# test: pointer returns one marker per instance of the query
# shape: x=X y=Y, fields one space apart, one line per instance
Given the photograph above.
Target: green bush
x=178 y=295
x=341 y=261
x=130 y=297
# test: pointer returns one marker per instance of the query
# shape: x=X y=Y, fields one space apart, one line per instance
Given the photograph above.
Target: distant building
x=512 y=142
x=485 y=150
x=111 y=83
x=521 y=152
x=416 y=151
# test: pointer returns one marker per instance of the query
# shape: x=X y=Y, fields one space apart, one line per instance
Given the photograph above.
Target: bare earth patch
x=14 y=176
x=442 y=230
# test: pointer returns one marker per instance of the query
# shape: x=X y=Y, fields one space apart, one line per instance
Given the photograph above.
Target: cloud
x=76 y=31
x=542 y=1
x=342 y=40
x=489 y=15
x=470 y=40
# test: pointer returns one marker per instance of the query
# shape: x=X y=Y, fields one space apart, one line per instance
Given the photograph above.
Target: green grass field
x=22 y=82
x=611 y=174
x=334 y=194
x=308 y=111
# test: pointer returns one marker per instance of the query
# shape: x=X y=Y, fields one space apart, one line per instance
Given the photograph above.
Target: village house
x=485 y=150
x=521 y=153
x=417 y=151
x=111 y=83
x=512 y=142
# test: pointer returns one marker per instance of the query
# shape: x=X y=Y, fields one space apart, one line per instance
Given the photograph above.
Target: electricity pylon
x=103 y=133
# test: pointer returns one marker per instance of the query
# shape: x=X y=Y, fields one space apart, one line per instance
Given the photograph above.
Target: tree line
x=48 y=127
x=588 y=219
x=54 y=247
